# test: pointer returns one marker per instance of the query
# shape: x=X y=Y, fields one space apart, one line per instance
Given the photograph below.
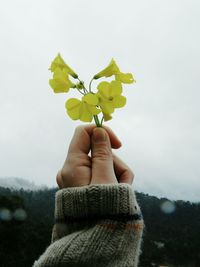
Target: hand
x=101 y=167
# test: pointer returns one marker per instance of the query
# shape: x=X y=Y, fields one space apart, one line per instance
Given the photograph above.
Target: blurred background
x=159 y=42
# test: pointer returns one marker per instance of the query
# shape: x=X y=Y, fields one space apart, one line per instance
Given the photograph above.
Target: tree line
x=171 y=236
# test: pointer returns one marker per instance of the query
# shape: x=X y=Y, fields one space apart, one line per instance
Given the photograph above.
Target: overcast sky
x=159 y=41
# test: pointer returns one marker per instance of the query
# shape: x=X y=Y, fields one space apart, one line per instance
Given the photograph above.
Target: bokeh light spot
x=168 y=207
x=19 y=215
x=5 y=214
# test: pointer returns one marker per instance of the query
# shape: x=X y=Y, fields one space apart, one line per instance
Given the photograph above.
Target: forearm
x=97 y=225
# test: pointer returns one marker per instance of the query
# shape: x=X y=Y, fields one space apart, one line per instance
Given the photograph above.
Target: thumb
x=102 y=160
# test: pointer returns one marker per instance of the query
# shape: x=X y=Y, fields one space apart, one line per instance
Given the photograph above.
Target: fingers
x=102 y=160
x=81 y=140
x=123 y=173
x=59 y=180
x=115 y=142
x=102 y=168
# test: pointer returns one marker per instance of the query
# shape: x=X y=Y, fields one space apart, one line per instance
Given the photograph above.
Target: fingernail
x=99 y=135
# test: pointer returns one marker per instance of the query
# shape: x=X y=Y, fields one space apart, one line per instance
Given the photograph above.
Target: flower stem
x=85 y=90
x=90 y=85
x=80 y=91
x=98 y=124
x=102 y=121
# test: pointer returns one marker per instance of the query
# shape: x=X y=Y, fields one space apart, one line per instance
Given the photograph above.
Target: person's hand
x=90 y=159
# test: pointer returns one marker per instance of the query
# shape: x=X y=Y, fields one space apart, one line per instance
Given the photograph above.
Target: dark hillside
x=171 y=237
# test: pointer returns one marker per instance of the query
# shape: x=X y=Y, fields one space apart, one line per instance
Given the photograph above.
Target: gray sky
x=159 y=41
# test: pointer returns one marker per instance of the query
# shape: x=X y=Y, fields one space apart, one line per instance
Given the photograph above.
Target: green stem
x=98 y=124
x=96 y=119
x=102 y=121
x=80 y=91
x=85 y=90
x=90 y=85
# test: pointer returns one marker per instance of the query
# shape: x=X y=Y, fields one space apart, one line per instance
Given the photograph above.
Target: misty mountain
x=17 y=183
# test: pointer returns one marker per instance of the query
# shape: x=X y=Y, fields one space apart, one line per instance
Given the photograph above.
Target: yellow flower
x=107 y=117
x=124 y=77
x=110 y=70
x=113 y=69
x=110 y=96
x=60 y=82
x=83 y=110
x=58 y=62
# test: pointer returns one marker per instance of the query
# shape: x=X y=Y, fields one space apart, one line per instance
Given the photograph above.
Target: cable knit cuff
x=93 y=201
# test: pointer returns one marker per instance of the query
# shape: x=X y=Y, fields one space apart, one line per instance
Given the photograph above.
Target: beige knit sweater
x=95 y=225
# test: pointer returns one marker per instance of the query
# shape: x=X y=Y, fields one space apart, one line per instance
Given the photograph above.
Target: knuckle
x=76 y=159
x=65 y=173
x=67 y=176
x=59 y=178
x=71 y=160
x=79 y=128
x=131 y=174
x=102 y=152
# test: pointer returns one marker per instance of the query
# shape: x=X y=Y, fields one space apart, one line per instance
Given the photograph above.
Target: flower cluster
x=107 y=98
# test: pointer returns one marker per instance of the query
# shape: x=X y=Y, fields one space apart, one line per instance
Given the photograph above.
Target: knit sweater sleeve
x=95 y=225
